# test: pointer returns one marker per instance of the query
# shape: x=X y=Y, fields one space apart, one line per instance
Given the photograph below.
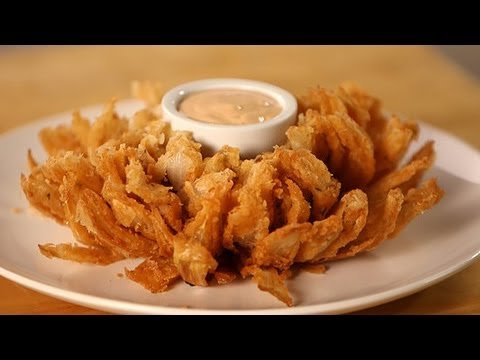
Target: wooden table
x=416 y=81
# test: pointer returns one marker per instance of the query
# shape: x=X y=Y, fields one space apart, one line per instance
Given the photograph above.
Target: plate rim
x=334 y=307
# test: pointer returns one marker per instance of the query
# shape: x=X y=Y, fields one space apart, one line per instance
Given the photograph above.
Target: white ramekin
x=251 y=139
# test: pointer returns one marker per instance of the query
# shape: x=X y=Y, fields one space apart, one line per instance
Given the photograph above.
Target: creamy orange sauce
x=229 y=106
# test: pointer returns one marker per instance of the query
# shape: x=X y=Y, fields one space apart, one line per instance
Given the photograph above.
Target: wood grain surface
x=415 y=81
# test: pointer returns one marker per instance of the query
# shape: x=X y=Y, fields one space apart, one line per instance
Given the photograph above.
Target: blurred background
x=467 y=56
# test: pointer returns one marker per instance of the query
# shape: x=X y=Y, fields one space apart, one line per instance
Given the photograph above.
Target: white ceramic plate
x=435 y=246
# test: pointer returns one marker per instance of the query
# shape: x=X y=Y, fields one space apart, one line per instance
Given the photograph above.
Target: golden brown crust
x=131 y=188
x=155 y=274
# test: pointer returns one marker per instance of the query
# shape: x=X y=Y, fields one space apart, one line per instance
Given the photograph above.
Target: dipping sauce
x=230 y=106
